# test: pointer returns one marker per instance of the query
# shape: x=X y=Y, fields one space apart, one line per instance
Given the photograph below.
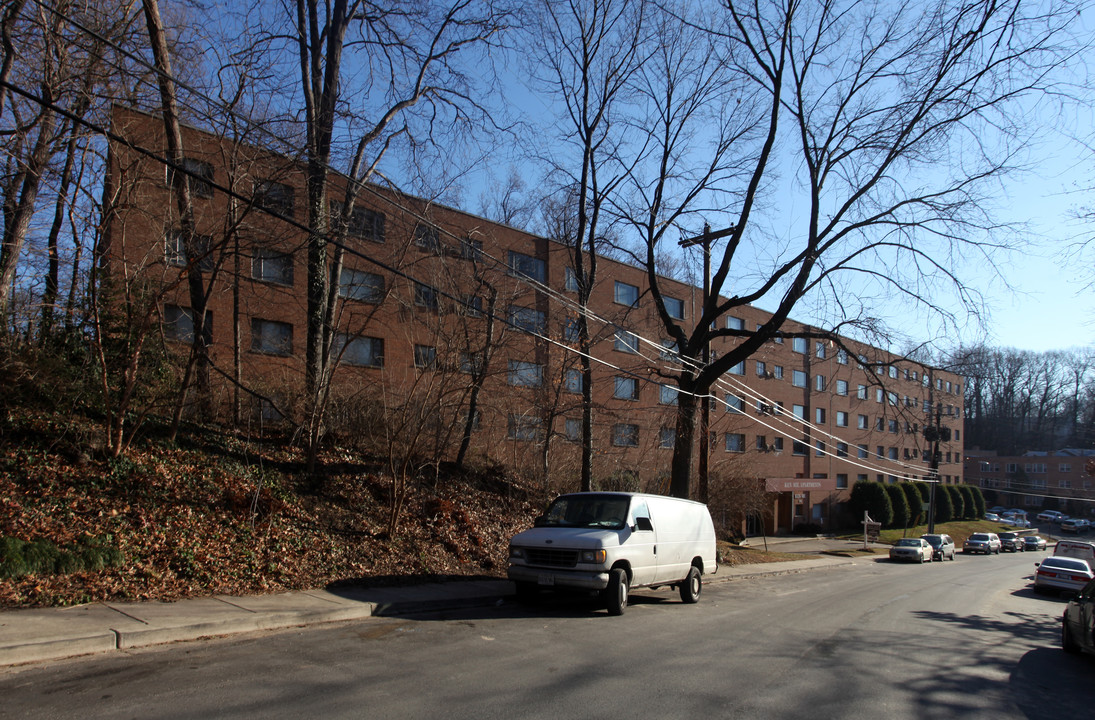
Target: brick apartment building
x=1061 y=480
x=418 y=286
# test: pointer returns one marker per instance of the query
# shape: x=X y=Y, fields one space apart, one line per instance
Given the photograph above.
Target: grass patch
x=730 y=554
x=42 y=557
x=959 y=530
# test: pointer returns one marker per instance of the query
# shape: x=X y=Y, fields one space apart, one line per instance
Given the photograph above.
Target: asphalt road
x=874 y=640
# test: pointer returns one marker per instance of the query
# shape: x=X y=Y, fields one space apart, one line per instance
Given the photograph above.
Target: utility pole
x=704 y=241
x=933 y=433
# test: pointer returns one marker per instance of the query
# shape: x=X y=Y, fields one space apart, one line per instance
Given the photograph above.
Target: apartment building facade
x=1062 y=480
x=440 y=312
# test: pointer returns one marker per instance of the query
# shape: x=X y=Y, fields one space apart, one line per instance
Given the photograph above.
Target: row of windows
x=1028 y=467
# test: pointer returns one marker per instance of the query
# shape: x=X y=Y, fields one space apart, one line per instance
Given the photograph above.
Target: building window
x=274 y=196
x=819 y=383
x=272 y=267
x=762 y=443
x=893 y=453
x=841 y=418
x=365 y=224
x=880 y=452
x=841 y=481
x=735 y=442
x=625 y=435
x=573 y=381
x=878 y=395
x=360 y=285
x=667 y=395
x=799 y=411
x=667 y=437
x=861 y=392
x=523 y=427
x=669 y=351
x=842 y=358
x=734 y=404
x=178 y=324
x=626 y=294
x=626 y=342
x=175 y=250
x=819 y=448
x=199 y=177
x=471 y=249
x=738 y=369
x=799 y=345
x=819 y=415
x=425 y=357
x=798 y=448
x=892 y=425
x=527 y=319
x=425 y=296
x=427 y=237
x=777 y=443
x=271 y=337
x=819 y=350
x=842 y=449
x=762 y=371
x=861 y=422
x=572 y=331
x=862 y=452
x=798 y=378
x=893 y=372
x=880 y=423
x=777 y=372
x=735 y=323
x=525 y=374
x=842 y=387
x=573 y=429
x=471 y=306
x=527 y=266
x=627 y=388
x=570 y=280
x=674 y=307
x=471 y=363
x=360 y=351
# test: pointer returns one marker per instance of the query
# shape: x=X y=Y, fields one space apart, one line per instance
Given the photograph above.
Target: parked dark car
x=1011 y=542
x=1078 y=623
x=942 y=546
x=1034 y=542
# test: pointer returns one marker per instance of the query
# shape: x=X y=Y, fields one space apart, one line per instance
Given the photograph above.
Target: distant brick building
x=1062 y=480
x=418 y=284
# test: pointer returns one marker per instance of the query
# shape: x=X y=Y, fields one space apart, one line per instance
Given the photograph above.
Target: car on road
x=1015 y=520
x=987 y=543
x=942 y=545
x=912 y=549
x=1075 y=525
x=1062 y=573
x=1011 y=542
x=1078 y=622
x=1052 y=516
x=1034 y=542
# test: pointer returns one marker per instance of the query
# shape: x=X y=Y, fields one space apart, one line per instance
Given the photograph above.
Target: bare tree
x=588 y=52
x=895 y=120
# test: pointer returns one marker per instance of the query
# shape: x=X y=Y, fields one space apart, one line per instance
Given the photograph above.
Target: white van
x=613 y=541
x=1076 y=549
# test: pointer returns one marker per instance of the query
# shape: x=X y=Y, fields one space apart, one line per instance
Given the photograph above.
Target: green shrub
x=958 y=504
x=871 y=497
x=915 y=503
x=944 y=505
x=900 y=506
x=42 y=557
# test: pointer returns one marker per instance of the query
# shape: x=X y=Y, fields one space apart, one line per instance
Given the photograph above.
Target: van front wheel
x=616 y=592
x=691 y=585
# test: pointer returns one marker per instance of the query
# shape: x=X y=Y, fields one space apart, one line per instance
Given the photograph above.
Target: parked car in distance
x=913 y=549
x=1052 y=516
x=1062 y=573
x=987 y=543
x=997 y=509
x=1015 y=520
x=942 y=545
x=1011 y=542
x=1034 y=542
x=992 y=517
x=1075 y=525
x=1078 y=622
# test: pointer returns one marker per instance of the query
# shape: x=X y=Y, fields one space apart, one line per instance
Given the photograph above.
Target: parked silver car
x=1078 y=622
x=1062 y=573
x=1011 y=542
x=914 y=549
x=1034 y=542
x=987 y=543
x=942 y=545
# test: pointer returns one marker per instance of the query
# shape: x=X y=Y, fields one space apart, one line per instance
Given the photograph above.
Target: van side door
x=641 y=546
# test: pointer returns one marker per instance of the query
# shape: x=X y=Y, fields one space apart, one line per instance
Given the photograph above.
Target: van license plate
x=545 y=580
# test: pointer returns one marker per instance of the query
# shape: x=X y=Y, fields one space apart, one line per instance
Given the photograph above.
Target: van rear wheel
x=691 y=586
x=616 y=592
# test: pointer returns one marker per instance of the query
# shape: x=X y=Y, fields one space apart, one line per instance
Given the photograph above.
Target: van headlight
x=516 y=552
x=593 y=556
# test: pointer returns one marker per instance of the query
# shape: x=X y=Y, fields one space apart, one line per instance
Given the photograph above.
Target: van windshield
x=592 y=511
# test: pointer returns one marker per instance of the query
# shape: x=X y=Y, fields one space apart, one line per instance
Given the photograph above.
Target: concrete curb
x=29 y=636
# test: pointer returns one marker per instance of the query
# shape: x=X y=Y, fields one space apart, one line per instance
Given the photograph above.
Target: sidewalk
x=52 y=633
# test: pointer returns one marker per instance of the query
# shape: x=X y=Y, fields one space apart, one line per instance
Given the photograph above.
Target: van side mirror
x=643 y=523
